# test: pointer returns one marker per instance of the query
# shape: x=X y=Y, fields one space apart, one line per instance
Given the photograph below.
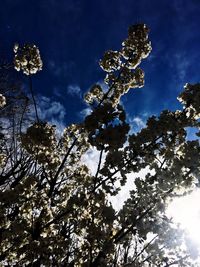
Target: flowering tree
x=55 y=212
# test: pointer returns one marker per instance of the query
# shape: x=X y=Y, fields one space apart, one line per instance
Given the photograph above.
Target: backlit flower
x=2 y=101
x=27 y=58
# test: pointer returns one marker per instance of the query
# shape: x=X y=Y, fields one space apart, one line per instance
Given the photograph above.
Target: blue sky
x=72 y=36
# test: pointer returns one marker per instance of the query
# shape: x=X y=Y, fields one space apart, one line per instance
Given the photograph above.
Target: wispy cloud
x=57 y=92
x=182 y=64
x=51 y=111
x=74 y=90
x=138 y=122
x=84 y=112
x=60 y=68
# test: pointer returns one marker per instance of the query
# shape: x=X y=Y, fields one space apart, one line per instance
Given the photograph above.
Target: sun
x=186 y=211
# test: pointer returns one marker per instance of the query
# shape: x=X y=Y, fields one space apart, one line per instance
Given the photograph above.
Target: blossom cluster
x=2 y=159
x=40 y=141
x=95 y=94
x=122 y=66
x=2 y=101
x=27 y=58
x=107 y=127
x=190 y=98
x=111 y=61
x=74 y=137
x=129 y=79
x=137 y=46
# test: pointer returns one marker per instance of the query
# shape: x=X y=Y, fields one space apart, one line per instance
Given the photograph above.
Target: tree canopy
x=56 y=211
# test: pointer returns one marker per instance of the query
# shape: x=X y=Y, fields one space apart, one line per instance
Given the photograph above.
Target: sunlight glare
x=186 y=211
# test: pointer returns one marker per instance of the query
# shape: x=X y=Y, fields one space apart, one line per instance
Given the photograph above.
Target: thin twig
x=32 y=95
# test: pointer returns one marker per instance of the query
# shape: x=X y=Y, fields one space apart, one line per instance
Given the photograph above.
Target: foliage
x=54 y=211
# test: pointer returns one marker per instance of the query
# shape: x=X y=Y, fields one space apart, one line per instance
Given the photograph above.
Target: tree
x=55 y=212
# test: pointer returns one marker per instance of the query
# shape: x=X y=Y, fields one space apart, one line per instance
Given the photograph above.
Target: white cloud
x=85 y=112
x=91 y=159
x=137 y=123
x=51 y=111
x=118 y=200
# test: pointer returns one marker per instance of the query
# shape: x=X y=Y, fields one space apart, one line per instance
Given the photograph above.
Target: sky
x=73 y=35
